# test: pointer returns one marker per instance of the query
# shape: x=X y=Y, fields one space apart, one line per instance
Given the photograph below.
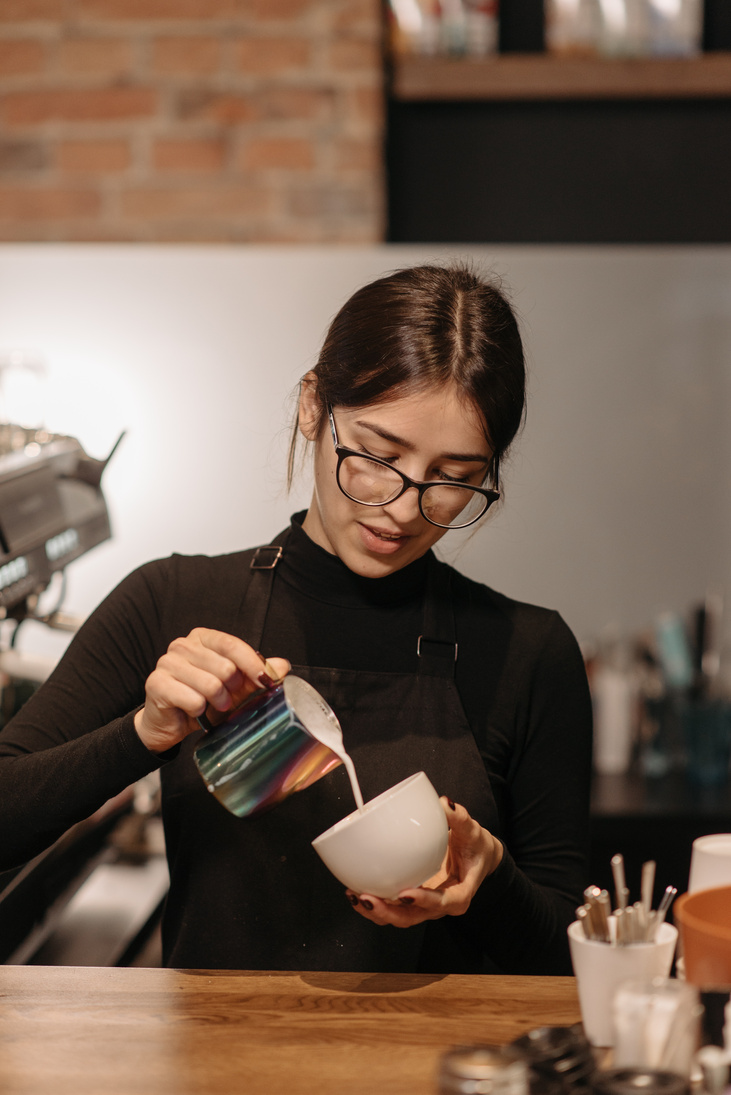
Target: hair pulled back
x=421 y=327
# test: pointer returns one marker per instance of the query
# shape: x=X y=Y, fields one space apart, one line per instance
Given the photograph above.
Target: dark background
x=571 y=171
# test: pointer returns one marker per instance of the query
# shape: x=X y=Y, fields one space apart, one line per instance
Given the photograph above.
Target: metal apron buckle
x=435 y=642
x=266 y=558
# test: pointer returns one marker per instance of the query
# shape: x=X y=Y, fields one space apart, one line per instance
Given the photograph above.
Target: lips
x=382 y=541
x=386 y=535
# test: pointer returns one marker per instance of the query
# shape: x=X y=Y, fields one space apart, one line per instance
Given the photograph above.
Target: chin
x=374 y=566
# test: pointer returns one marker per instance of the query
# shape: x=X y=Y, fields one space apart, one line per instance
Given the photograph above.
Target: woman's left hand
x=472 y=854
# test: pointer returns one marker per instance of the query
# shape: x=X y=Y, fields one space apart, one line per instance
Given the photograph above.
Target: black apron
x=291 y=912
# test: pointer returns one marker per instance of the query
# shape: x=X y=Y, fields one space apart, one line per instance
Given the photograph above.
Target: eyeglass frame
x=341 y=451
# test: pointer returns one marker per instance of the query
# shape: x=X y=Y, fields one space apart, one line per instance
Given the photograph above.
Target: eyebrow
x=394 y=439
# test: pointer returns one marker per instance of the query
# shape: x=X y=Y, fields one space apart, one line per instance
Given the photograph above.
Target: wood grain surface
x=99 y=1031
x=543 y=76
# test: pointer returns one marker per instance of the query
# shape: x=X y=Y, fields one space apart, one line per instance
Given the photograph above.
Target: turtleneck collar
x=319 y=574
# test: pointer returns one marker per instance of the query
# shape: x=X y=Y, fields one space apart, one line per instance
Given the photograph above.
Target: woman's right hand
x=206 y=671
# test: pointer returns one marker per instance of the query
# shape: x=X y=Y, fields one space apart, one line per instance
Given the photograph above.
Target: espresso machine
x=52 y=511
x=95 y=896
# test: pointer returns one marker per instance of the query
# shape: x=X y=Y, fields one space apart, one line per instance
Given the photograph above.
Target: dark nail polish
x=352 y=898
x=265 y=680
x=450 y=804
x=367 y=905
x=406 y=900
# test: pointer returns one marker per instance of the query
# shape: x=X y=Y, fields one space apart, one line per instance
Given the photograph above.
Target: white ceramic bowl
x=398 y=840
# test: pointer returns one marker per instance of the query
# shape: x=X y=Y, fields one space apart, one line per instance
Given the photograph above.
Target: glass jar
x=483 y=1070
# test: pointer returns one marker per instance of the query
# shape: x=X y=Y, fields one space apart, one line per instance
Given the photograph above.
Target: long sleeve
x=524 y=908
x=73 y=744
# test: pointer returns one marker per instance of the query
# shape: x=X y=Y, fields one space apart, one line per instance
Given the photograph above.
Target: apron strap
x=436 y=647
x=255 y=602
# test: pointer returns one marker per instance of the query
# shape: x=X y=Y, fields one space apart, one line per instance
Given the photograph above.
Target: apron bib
x=293 y=913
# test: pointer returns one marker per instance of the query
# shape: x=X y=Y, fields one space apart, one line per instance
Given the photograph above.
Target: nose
x=405 y=509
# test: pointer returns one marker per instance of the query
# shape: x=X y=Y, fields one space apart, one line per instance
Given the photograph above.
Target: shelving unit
x=536 y=76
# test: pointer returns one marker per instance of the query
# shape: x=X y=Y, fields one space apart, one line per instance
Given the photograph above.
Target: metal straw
x=633 y=923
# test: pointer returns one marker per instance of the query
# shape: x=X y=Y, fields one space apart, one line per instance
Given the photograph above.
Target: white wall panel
x=619 y=493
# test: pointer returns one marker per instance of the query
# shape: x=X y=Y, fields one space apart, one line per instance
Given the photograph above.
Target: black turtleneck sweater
x=519 y=675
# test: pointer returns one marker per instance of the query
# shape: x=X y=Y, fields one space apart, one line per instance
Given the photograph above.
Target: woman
x=416 y=396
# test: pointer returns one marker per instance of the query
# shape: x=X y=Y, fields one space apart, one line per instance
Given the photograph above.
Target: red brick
x=355 y=155
x=189 y=232
x=97 y=105
x=213 y=106
x=276 y=9
x=189 y=155
x=330 y=199
x=358 y=13
x=23 y=203
x=269 y=55
x=296 y=104
x=23 y=11
x=93 y=156
x=355 y=55
x=110 y=57
x=367 y=105
x=23 y=156
x=202 y=203
x=185 y=55
x=290 y=153
x=156 y=9
x=21 y=57
x=99 y=232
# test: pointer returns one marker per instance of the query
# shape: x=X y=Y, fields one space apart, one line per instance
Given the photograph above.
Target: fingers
x=222 y=669
x=280 y=666
x=207 y=671
x=472 y=854
x=190 y=669
x=410 y=908
x=458 y=819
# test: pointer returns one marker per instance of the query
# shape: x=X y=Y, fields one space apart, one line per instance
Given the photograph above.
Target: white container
x=613 y=719
x=710 y=862
x=398 y=840
x=601 y=968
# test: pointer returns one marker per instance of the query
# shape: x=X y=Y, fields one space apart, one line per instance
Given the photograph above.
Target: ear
x=310 y=411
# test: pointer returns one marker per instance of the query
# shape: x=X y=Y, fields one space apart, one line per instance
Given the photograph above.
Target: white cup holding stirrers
x=710 y=862
x=601 y=968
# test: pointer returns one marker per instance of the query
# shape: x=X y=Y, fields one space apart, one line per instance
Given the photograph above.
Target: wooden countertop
x=100 y=1031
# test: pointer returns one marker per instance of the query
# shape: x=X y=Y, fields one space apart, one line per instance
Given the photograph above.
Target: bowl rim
x=359 y=815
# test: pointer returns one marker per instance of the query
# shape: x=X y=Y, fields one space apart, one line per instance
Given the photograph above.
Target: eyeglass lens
x=447 y=504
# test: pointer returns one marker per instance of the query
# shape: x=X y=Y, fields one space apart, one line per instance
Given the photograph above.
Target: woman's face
x=428 y=435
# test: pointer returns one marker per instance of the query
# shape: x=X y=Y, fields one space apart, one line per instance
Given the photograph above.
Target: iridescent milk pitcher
x=279 y=740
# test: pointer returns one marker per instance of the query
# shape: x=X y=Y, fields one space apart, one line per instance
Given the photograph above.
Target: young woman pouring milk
x=415 y=398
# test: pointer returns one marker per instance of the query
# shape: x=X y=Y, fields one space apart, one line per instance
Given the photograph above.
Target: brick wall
x=209 y=120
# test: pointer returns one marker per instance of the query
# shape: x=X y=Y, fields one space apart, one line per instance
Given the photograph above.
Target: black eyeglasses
x=373 y=482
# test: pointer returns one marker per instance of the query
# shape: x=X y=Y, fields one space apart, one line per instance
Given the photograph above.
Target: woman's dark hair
x=421 y=327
